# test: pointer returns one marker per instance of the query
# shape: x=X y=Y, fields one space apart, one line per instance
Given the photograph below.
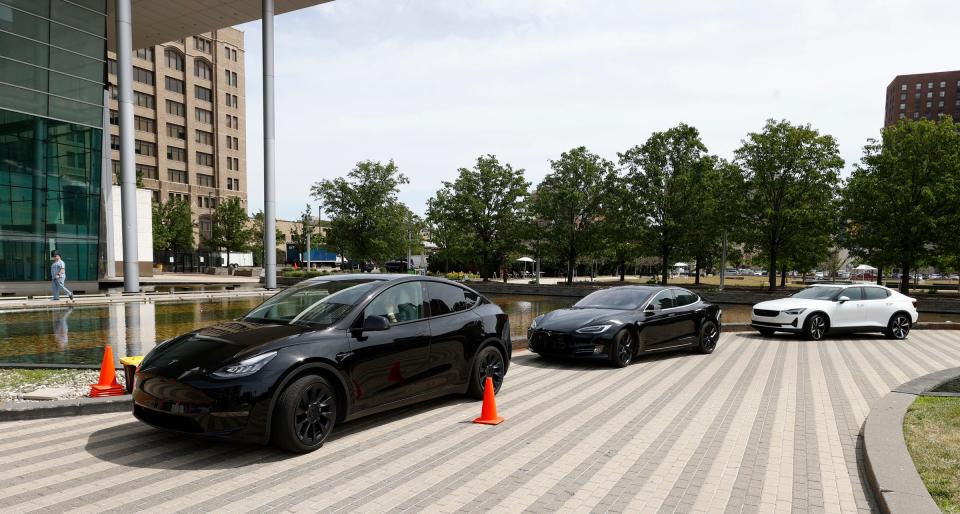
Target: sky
x=433 y=84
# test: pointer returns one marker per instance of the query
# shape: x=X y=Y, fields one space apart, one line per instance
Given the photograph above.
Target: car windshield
x=817 y=293
x=316 y=303
x=614 y=298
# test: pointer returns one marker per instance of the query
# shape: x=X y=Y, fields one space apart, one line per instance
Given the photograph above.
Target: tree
x=173 y=226
x=484 y=205
x=900 y=204
x=229 y=230
x=299 y=229
x=624 y=224
x=790 y=175
x=570 y=202
x=256 y=238
x=364 y=212
x=665 y=174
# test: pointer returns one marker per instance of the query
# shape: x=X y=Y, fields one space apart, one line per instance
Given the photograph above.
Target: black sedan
x=324 y=351
x=620 y=323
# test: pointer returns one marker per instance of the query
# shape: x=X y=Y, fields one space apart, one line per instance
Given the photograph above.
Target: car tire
x=815 y=327
x=622 y=349
x=766 y=332
x=305 y=416
x=899 y=326
x=709 y=335
x=488 y=362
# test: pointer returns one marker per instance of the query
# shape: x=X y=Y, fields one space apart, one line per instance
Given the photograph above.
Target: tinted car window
x=445 y=298
x=875 y=293
x=288 y=304
x=853 y=293
x=614 y=298
x=663 y=300
x=400 y=303
x=684 y=297
x=816 y=293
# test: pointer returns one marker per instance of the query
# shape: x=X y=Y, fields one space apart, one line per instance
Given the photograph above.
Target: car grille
x=765 y=313
x=549 y=341
x=165 y=420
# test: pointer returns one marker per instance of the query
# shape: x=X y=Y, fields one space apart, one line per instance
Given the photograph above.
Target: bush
x=932 y=290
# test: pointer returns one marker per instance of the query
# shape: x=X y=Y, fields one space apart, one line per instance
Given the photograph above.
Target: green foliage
x=298 y=232
x=230 y=231
x=484 y=210
x=256 y=238
x=367 y=221
x=173 y=226
x=569 y=202
x=791 y=173
x=900 y=204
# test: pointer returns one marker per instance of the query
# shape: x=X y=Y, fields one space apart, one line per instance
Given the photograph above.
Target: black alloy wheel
x=899 y=326
x=488 y=363
x=816 y=327
x=306 y=413
x=709 y=335
x=621 y=349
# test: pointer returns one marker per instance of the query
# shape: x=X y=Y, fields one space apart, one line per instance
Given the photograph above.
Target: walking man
x=58 y=273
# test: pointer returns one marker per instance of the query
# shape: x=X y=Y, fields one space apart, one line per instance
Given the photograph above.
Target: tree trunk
x=772 y=272
x=783 y=275
x=228 y=258
x=623 y=269
x=571 y=257
x=696 y=277
x=905 y=278
x=879 y=275
x=664 y=270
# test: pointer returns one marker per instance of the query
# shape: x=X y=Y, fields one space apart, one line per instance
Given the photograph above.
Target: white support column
x=128 y=173
x=269 y=147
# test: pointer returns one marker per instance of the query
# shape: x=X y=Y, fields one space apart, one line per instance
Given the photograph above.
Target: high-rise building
x=923 y=95
x=190 y=102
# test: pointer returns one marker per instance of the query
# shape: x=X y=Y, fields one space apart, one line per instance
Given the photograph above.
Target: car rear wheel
x=306 y=413
x=622 y=349
x=488 y=363
x=815 y=327
x=898 y=327
x=709 y=335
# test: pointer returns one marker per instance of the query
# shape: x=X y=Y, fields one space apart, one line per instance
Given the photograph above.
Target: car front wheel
x=816 y=327
x=306 y=413
x=622 y=349
x=898 y=327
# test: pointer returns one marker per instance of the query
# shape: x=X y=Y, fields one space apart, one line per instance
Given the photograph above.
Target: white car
x=832 y=308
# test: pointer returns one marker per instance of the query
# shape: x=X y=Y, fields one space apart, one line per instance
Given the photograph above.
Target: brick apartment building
x=923 y=95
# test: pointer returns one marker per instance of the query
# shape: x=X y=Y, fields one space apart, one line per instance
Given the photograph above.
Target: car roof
x=646 y=289
x=358 y=276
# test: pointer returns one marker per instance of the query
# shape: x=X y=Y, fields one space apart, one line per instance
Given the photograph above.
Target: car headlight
x=592 y=329
x=794 y=312
x=536 y=322
x=245 y=367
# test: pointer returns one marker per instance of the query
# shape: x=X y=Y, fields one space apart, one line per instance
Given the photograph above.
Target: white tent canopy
x=680 y=265
x=864 y=267
x=524 y=259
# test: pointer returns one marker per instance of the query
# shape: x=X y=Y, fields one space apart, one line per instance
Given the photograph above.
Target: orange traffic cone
x=107 y=385
x=488 y=413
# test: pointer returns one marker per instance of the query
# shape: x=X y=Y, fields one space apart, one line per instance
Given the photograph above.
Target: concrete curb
x=896 y=484
x=20 y=411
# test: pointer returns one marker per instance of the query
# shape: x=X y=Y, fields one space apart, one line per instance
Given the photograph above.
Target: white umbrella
x=865 y=267
x=680 y=265
x=524 y=259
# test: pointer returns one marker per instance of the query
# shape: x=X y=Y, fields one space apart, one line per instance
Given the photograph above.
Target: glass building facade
x=52 y=76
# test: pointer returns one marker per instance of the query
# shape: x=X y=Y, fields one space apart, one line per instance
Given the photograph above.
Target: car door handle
x=342 y=356
x=672 y=314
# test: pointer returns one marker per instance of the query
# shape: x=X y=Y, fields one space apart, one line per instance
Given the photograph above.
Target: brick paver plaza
x=763 y=424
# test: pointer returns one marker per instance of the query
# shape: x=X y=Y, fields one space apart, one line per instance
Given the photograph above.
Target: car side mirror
x=375 y=324
x=843 y=299
x=650 y=309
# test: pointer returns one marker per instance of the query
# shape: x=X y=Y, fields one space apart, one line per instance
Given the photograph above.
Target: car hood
x=566 y=320
x=783 y=304
x=209 y=349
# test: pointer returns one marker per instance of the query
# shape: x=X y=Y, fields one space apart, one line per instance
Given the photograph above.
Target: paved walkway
x=761 y=425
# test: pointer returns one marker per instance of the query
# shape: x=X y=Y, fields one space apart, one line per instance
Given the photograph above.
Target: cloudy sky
x=433 y=84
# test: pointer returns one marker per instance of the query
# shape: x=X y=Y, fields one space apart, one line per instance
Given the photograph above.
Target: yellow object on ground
x=131 y=361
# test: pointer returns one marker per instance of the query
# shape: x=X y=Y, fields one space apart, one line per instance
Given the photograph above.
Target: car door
x=849 y=313
x=455 y=331
x=389 y=365
x=686 y=315
x=878 y=307
x=660 y=326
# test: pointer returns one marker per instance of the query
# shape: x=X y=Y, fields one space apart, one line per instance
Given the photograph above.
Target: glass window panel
x=19 y=74
x=77 y=41
x=77 y=89
x=25 y=24
x=74 y=64
x=38 y=8
x=23 y=49
x=78 y=17
x=96 y=5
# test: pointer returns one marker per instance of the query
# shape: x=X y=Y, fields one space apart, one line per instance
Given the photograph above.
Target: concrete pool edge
x=23 y=411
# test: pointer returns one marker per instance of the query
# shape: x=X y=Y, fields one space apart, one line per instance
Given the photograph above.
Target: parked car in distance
x=620 y=323
x=827 y=308
x=323 y=351
x=730 y=271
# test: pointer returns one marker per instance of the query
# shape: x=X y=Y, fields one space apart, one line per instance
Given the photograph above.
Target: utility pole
x=306 y=230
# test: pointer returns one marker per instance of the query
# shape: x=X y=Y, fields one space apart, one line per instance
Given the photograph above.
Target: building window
x=203 y=115
x=202 y=44
x=942 y=94
x=233 y=143
x=230 y=53
x=178 y=176
x=114 y=117
x=175 y=85
x=147 y=171
x=230 y=183
x=940 y=104
x=918 y=85
x=176 y=131
x=199 y=198
x=204 y=180
x=903 y=107
x=176 y=154
x=179 y=196
x=114 y=143
x=930 y=94
x=176 y=108
x=929 y=105
x=903 y=96
x=943 y=84
x=233 y=122
x=202 y=70
x=929 y=85
x=114 y=94
x=233 y=164
x=112 y=66
x=146 y=54
x=173 y=58
x=204 y=137
x=916 y=115
x=916 y=95
x=143 y=100
x=203 y=93
x=206 y=227
x=145 y=148
x=902 y=115
x=231 y=77
x=143 y=124
x=903 y=87
x=205 y=159
x=143 y=76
